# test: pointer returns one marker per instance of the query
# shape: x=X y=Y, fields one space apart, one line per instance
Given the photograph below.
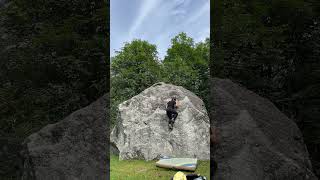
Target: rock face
x=142 y=130
x=256 y=140
x=74 y=148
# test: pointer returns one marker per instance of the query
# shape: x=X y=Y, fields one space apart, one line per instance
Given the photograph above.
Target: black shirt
x=171 y=105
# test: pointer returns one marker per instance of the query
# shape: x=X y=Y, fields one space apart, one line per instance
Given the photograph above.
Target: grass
x=140 y=169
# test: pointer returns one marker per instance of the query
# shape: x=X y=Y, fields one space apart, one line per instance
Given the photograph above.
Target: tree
x=201 y=65
x=186 y=64
x=133 y=69
x=136 y=67
x=181 y=47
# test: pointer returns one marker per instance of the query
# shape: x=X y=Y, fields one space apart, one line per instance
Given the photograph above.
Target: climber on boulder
x=171 y=111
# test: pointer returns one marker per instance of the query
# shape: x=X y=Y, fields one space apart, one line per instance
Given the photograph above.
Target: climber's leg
x=175 y=115
x=169 y=114
x=170 y=124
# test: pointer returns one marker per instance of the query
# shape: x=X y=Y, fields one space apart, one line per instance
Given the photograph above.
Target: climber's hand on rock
x=177 y=104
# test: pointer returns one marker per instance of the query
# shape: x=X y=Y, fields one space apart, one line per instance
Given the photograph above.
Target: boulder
x=74 y=148
x=255 y=140
x=142 y=129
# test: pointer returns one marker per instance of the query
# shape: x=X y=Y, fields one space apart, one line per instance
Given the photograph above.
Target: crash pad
x=188 y=164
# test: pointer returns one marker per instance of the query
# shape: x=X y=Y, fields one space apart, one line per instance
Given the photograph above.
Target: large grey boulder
x=72 y=149
x=142 y=128
x=256 y=140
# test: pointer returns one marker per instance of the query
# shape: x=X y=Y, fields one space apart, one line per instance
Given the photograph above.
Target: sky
x=157 y=21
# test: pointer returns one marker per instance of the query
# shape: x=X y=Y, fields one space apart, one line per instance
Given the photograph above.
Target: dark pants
x=172 y=114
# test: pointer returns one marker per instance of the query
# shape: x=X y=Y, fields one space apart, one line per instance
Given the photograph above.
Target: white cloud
x=202 y=35
x=205 y=9
x=146 y=8
x=158 y=21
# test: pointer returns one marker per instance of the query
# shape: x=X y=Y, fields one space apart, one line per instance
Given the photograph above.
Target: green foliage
x=133 y=69
x=186 y=64
x=178 y=72
x=136 y=67
x=181 y=47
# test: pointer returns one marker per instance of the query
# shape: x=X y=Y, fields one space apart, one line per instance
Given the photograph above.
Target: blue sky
x=157 y=21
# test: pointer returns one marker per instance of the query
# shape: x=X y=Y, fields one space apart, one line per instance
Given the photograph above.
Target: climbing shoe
x=170 y=126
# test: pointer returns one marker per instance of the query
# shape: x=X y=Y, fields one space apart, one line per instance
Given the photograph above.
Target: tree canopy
x=137 y=66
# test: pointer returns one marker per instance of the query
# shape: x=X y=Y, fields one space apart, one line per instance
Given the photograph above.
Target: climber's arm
x=177 y=104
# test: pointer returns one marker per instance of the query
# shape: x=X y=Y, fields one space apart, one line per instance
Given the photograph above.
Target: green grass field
x=140 y=169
